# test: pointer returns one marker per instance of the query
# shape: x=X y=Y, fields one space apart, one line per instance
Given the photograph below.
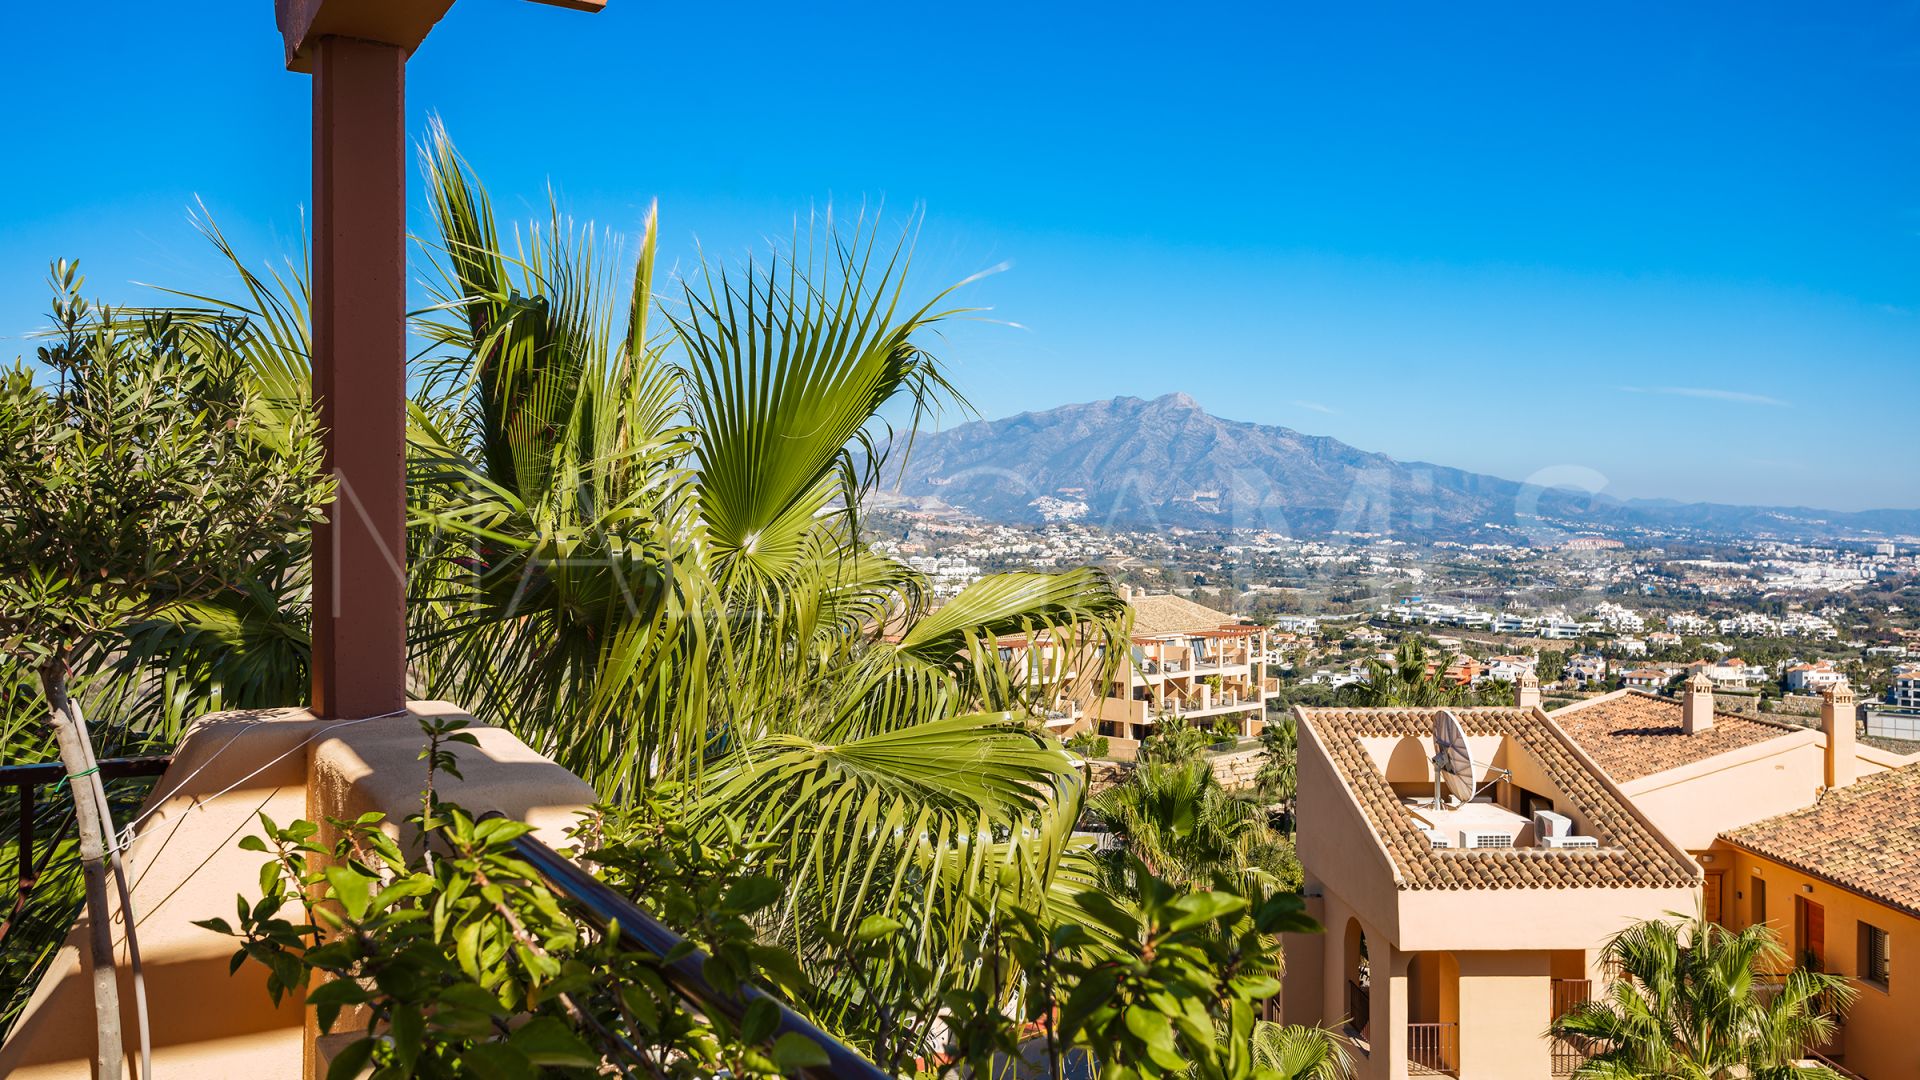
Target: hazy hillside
x=1167 y=461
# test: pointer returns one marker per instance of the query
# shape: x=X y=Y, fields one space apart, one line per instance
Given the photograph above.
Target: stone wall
x=1796 y=704
x=1237 y=771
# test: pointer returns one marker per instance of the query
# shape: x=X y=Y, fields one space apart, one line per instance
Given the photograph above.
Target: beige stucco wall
x=185 y=865
x=1504 y=1002
x=1698 y=801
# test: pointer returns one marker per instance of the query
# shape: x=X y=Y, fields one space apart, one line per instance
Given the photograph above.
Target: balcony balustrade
x=1433 y=1049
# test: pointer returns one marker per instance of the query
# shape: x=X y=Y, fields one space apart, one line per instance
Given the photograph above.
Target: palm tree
x=637 y=545
x=1407 y=682
x=1688 y=1005
x=1176 y=819
x=1279 y=775
x=1297 y=1052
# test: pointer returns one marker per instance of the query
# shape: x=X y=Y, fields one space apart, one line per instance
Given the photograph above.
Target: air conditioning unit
x=1546 y=823
x=1570 y=841
x=1485 y=838
x=1437 y=839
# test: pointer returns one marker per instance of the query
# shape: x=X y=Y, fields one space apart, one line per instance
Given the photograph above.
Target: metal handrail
x=604 y=908
x=24 y=779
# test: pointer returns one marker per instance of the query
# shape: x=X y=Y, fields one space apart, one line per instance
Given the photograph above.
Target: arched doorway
x=1354 y=969
x=1433 y=1012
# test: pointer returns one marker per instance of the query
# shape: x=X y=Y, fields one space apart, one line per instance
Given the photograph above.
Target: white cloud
x=1314 y=406
x=1738 y=397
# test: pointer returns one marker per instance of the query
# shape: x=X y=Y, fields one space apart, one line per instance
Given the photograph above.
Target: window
x=1876 y=955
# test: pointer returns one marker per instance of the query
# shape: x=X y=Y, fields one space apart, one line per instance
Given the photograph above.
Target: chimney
x=1837 y=719
x=1126 y=593
x=1696 y=704
x=1526 y=691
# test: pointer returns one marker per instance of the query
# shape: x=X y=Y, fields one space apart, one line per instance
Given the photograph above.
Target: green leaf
x=407 y=1028
x=875 y=927
x=759 y=1020
x=547 y=1040
x=351 y=1061
x=793 y=1052
x=496 y=1061
x=350 y=888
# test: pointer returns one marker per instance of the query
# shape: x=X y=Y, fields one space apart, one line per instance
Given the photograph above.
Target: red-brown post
x=359 y=374
x=357 y=51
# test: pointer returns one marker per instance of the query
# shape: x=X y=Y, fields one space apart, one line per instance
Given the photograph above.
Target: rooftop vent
x=1570 y=841
x=1485 y=838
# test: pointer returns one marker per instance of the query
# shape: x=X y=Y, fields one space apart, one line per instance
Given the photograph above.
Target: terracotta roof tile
x=1633 y=857
x=1864 y=837
x=1632 y=734
x=1165 y=613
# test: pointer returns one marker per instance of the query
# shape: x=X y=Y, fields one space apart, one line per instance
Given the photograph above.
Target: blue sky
x=1675 y=244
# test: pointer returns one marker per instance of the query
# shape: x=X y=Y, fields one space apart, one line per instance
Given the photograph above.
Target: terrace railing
x=682 y=966
x=1434 y=1048
x=1569 y=1055
x=24 y=782
x=1359 y=1006
x=598 y=905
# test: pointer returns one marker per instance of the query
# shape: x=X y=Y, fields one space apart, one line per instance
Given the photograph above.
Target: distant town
x=1771 y=623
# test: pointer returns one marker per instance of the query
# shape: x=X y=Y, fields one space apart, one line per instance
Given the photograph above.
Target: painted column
x=1387 y=1045
x=359 y=374
x=1506 y=1002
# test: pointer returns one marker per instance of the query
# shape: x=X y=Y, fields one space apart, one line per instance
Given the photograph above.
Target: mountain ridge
x=1135 y=462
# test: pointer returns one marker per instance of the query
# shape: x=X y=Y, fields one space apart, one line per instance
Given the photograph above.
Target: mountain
x=1168 y=462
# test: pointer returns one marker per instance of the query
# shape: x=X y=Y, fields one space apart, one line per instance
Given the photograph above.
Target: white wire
x=125 y=838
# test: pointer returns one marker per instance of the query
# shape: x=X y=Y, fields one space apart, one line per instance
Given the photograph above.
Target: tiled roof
x=1633 y=734
x=1164 y=613
x=1864 y=837
x=1633 y=856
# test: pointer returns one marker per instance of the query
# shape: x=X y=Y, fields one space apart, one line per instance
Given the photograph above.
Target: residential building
x=1456 y=932
x=1510 y=668
x=1512 y=624
x=1813 y=678
x=1682 y=622
x=1663 y=640
x=1560 y=629
x=1904 y=690
x=1731 y=673
x=1840 y=881
x=1465 y=670
x=1647 y=678
x=1454 y=959
x=1586 y=669
x=1187 y=660
x=1618 y=618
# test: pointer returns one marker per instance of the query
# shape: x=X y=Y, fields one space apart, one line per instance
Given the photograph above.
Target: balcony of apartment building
x=1457 y=930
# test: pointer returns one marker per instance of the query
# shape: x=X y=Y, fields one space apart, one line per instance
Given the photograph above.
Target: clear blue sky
x=1676 y=244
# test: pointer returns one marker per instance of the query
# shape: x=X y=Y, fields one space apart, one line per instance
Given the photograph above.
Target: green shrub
x=1089 y=745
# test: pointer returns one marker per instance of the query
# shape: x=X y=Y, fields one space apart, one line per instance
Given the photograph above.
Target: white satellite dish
x=1452 y=764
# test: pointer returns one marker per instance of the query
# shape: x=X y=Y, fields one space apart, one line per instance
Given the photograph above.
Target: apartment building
x=1840 y=881
x=1813 y=678
x=1904 y=690
x=1454 y=934
x=1186 y=660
